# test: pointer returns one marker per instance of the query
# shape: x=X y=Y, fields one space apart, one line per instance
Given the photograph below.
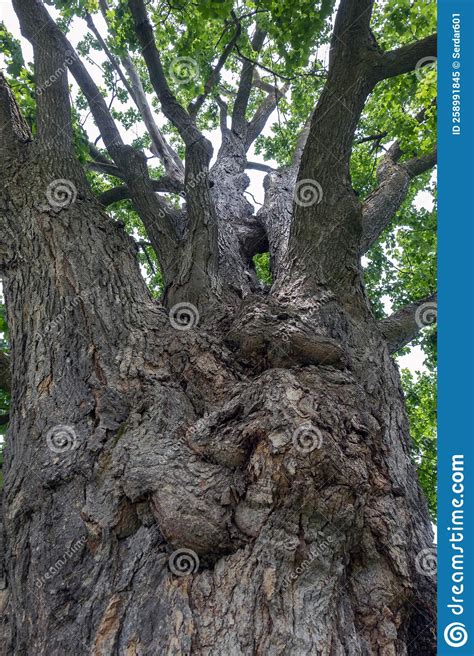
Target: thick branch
x=53 y=111
x=404 y=325
x=394 y=178
x=239 y=122
x=158 y=218
x=105 y=167
x=159 y=146
x=351 y=28
x=14 y=134
x=14 y=130
x=172 y=109
x=258 y=166
x=334 y=213
x=29 y=10
x=197 y=279
x=407 y=58
x=223 y=114
x=263 y=113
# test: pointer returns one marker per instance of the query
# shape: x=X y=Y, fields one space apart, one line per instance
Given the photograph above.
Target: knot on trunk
x=268 y=336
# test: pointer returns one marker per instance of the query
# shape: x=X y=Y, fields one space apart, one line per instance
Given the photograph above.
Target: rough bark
x=394 y=179
x=4 y=372
x=265 y=450
x=264 y=433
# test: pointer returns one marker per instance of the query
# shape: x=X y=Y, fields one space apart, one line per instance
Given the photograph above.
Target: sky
x=412 y=361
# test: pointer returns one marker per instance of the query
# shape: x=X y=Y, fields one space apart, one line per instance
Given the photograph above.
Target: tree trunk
x=238 y=482
x=277 y=463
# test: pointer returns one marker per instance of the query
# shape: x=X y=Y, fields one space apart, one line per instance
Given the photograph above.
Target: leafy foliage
x=420 y=395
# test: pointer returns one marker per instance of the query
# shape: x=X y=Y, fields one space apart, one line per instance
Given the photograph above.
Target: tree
x=225 y=469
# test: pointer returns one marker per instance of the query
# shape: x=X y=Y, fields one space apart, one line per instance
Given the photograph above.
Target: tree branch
x=351 y=28
x=239 y=122
x=159 y=146
x=196 y=105
x=103 y=167
x=263 y=113
x=57 y=42
x=404 y=325
x=172 y=109
x=115 y=194
x=112 y=59
x=197 y=279
x=223 y=114
x=405 y=59
x=53 y=111
x=258 y=166
x=394 y=178
x=14 y=131
x=324 y=167
x=158 y=218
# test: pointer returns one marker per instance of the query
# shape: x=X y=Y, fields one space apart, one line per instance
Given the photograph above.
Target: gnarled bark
x=238 y=482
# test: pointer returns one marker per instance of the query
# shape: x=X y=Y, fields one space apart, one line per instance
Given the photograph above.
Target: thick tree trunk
x=239 y=483
x=280 y=460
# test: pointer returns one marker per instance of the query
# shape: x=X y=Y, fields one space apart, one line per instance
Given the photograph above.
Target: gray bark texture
x=238 y=484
